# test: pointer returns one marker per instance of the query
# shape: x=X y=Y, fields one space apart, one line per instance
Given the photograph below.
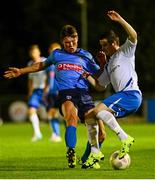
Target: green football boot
x=125 y=147
x=92 y=161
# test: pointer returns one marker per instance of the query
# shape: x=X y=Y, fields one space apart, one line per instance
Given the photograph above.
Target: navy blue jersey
x=70 y=66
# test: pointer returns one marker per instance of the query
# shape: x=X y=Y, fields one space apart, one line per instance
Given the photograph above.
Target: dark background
x=25 y=22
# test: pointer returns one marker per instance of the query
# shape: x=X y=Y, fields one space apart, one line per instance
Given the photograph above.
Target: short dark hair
x=111 y=36
x=67 y=30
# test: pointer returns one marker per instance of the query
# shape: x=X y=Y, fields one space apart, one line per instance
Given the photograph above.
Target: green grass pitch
x=22 y=159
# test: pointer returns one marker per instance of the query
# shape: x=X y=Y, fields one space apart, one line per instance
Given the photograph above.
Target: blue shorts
x=52 y=101
x=81 y=99
x=36 y=99
x=124 y=103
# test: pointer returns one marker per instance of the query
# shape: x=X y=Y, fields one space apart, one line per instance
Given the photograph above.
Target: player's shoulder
x=129 y=44
x=128 y=48
x=57 y=51
x=84 y=53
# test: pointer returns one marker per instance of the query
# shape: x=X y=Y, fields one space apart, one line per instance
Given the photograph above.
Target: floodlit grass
x=22 y=159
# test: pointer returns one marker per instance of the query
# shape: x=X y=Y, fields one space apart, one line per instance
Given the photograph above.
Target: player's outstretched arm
x=93 y=81
x=114 y=16
x=13 y=72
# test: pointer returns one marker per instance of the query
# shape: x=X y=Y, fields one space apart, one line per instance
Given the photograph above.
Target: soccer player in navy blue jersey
x=74 y=99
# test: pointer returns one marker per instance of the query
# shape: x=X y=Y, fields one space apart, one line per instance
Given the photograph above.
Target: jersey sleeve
x=50 y=60
x=103 y=79
x=128 y=48
x=93 y=67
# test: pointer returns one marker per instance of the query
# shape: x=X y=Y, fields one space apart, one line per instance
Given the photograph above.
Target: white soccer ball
x=117 y=163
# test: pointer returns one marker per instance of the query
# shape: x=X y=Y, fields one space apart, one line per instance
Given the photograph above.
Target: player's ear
x=77 y=38
x=114 y=43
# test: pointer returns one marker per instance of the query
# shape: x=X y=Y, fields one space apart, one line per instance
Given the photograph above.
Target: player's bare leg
x=71 y=118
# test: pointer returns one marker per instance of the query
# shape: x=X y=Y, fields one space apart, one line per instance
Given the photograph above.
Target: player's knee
x=91 y=121
x=31 y=111
x=99 y=108
x=52 y=113
x=90 y=114
x=71 y=120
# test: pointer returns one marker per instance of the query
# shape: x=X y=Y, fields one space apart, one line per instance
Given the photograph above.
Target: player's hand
x=101 y=58
x=113 y=15
x=12 y=73
x=85 y=74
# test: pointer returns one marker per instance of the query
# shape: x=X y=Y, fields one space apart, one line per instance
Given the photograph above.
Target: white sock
x=108 y=118
x=93 y=131
x=94 y=149
x=35 y=124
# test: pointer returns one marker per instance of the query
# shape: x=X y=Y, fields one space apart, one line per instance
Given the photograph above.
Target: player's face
x=109 y=48
x=106 y=47
x=70 y=43
x=35 y=54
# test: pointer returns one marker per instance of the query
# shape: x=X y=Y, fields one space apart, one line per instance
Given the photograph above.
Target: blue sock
x=70 y=136
x=55 y=125
x=87 y=152
x=100 y=144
